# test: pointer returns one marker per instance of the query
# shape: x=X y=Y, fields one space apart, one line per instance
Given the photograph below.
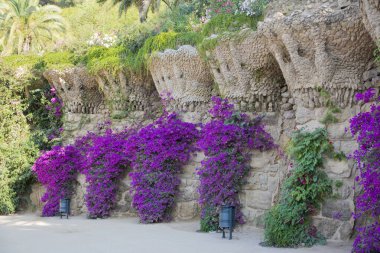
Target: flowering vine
x=227 y=141
x=104 y=164
x=45 y=117
x=158 y=152
x=56 y=170
x=366 y=127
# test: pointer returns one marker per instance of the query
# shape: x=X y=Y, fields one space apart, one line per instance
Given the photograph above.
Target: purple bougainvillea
x=158 y=152
x=366 y=127
x=227 y=141
x=56 y=170
x=105 y=161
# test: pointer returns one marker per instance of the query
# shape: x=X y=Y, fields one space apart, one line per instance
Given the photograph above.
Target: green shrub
x=288 y=224
x=160 y=42
x=17 y=152
x=229 y=23
x=58 y=60
x=7 y=205
x=329 y=117
x=209 y=222
x=102 y=58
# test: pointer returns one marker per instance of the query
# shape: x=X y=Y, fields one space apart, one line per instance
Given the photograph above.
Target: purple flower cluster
x=105 y=161
x=56 y=170
x=366 y=127
x=158 y=152
x=227 y=142
x=54 y=106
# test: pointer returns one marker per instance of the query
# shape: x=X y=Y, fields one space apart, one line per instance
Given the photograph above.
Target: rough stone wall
x=182 y=77
x=326 y=50
x=281 y=70
x=91 y=100
x=289 y=6
x=371 y=17
x=246 y=72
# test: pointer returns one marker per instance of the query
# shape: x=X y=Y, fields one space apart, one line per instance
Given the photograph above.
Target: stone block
x=341 y=209
x=199 y=157
x=344 y=232
x=337 y=168
x=259 y=199
x=262 y=159
x=254 y=217
x=37 y=192
x=339 y=130
x=286 y=107
x=186 y=210
x=289 y=115
x=258 y=181
x=311 y=126
x=274 y=131
x=348 y=147
x=344 y=191
x=304 y=115
x=327 y=227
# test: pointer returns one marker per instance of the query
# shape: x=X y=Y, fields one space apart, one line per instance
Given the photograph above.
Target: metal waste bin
x=64 y=207
x=227 y=219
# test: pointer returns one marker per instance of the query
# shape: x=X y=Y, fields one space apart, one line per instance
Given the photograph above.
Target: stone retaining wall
x=293 y=69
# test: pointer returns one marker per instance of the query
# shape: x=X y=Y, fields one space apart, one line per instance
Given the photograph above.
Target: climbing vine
x=56 y=170
x=158 y=152
x=366 y=127
x=104 y=163
x=227 y=141
x=44 y=114
x=288 y=223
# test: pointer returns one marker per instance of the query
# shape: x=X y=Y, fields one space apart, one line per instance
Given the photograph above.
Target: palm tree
x=142 y=5
x=26 y=26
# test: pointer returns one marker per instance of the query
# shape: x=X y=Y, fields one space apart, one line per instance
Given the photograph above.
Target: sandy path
x=32 y=234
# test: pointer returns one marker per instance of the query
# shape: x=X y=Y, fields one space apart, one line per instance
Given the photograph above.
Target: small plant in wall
x=227 y=141
x=366 y=128
x=158 y=153
x=332 y=109
x=56 y=170
x=288 y=223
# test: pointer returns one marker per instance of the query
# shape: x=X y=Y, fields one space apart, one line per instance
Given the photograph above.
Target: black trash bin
x=227 y=219
x=64 y=207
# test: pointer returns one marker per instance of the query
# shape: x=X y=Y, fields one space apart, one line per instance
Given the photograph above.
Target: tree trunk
x=143 y=10
x=27 y=45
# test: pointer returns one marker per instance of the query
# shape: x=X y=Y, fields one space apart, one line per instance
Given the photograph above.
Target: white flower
x=252 y=7
x=104 y=40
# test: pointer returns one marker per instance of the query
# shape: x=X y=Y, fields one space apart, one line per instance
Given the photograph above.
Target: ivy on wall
x=288 y=223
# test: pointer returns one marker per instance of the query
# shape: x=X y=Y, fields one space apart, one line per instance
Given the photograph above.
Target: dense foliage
x=17 y=151
x=104 y=162
x=288 y=223
x=44 y=113
x=126 y=44
x=158 y=153
x=366 y=127
x=56 y=169
x=227 y=141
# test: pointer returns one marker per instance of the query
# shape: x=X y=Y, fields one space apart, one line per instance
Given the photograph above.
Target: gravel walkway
x=32 y=234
